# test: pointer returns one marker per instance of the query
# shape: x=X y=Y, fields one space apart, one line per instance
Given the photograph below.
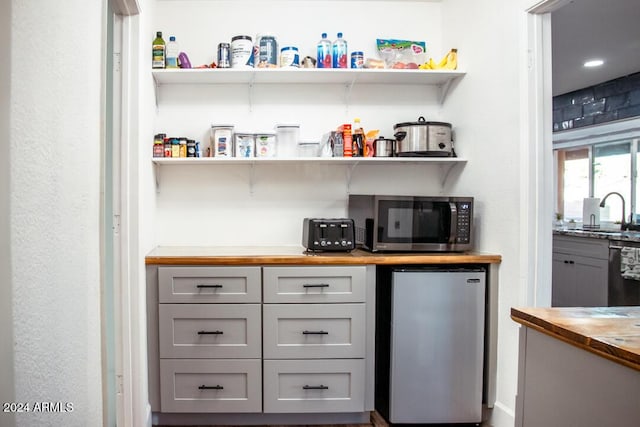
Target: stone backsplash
x=605 y=102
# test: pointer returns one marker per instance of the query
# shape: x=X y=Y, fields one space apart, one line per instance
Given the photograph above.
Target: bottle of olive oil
x=159 y=51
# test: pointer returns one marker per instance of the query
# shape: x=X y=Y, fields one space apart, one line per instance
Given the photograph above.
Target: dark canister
x=224 y=59
x=268 y=52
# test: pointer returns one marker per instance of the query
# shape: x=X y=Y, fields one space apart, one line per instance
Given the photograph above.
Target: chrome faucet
x=623 y=225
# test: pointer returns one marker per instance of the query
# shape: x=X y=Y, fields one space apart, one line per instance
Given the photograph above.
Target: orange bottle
x=348 y=142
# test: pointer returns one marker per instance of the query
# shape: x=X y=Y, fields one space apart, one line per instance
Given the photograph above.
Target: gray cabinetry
x=261 y=343
x=315 y=339
x=579 y=272
x=209 y=339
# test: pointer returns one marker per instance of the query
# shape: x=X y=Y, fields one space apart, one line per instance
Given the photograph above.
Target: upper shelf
x=305 y=75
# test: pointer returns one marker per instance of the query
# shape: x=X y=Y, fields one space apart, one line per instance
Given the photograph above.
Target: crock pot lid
x=405 y=124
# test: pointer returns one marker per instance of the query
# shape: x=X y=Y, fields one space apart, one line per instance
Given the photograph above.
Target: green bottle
x=158 y=49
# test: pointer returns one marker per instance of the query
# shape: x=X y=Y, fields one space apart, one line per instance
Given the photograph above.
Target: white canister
x=289 y=57
x=221 y=141
x=241 y=52
x=266 y=144
x=243 y=144
x=288 y=137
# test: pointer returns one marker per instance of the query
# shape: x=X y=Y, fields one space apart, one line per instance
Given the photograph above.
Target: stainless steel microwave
x=412 y=223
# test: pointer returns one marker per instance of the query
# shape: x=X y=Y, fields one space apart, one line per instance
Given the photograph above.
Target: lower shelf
x=320 y=160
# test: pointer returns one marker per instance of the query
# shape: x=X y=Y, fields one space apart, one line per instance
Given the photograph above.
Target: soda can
x=357 y=59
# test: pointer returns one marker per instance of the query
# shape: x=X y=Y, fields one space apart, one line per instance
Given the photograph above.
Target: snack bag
x=402 y=53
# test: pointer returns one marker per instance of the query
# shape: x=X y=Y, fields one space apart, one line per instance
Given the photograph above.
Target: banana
x=443 y=62
x=451 y=60
x=448 y=62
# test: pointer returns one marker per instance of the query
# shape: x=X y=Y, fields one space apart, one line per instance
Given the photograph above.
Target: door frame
x=128 y=348
x=537 y=155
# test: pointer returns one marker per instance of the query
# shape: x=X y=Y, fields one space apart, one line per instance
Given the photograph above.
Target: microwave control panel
x=464 y=222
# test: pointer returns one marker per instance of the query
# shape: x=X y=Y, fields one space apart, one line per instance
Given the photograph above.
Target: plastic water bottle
x=324 y=52
x=340 y=52
x=172 y=53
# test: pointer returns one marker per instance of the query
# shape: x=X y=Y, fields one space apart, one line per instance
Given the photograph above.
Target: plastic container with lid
x=221 y=140
x=287 y=136
x=241 y=52
x=308 y=149
x=267 y=56
x=265 y=144
x=289 y=57
x=244 y=144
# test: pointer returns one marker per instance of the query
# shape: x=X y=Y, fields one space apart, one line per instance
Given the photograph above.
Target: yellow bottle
x=158 y=51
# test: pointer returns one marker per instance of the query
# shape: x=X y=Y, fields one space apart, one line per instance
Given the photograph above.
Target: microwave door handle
x=454 y=222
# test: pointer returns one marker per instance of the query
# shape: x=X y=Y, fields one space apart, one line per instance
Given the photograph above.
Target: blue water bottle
x=324 y=52
x=340 y=52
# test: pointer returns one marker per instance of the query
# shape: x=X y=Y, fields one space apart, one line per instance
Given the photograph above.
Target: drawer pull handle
x=208 y=286
x=207 y=387
x=315 y=387
x=210 y=332
x=318 y=285
x=315 y=332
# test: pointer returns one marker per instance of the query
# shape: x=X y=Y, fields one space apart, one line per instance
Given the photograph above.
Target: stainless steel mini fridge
x=429 y=347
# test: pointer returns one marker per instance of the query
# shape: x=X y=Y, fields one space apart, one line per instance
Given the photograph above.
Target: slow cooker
x=423 y=138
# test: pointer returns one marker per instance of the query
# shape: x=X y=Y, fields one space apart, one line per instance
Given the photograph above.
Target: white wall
x=487 y=116
x=54 y=210
x=237 y=206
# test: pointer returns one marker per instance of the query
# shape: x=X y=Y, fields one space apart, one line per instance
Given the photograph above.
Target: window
x=612 y=172
x=594 y=170
x=573 y=177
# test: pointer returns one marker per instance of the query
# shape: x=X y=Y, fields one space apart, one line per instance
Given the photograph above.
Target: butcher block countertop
x=610 y=332
x=296 y=255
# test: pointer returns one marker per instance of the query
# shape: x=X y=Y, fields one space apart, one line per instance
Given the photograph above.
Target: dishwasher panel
x=622 y=292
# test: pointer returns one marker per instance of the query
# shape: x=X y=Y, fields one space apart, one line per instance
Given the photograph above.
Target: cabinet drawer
x=313 y=331
x=210 y=330
x=314 y=385
x=193 y=385
x=314 y=284
x=581 y=246
x=209 y=284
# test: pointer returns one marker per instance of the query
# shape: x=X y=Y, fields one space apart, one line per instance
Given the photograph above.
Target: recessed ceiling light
x=594 y=63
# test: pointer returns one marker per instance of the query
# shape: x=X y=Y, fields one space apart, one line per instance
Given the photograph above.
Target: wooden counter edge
x=615 y=354
x=327 y=259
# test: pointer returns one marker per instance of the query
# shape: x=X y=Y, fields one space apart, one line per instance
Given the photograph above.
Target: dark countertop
x=629 y=236
x=296 y=255
x=610 y=332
